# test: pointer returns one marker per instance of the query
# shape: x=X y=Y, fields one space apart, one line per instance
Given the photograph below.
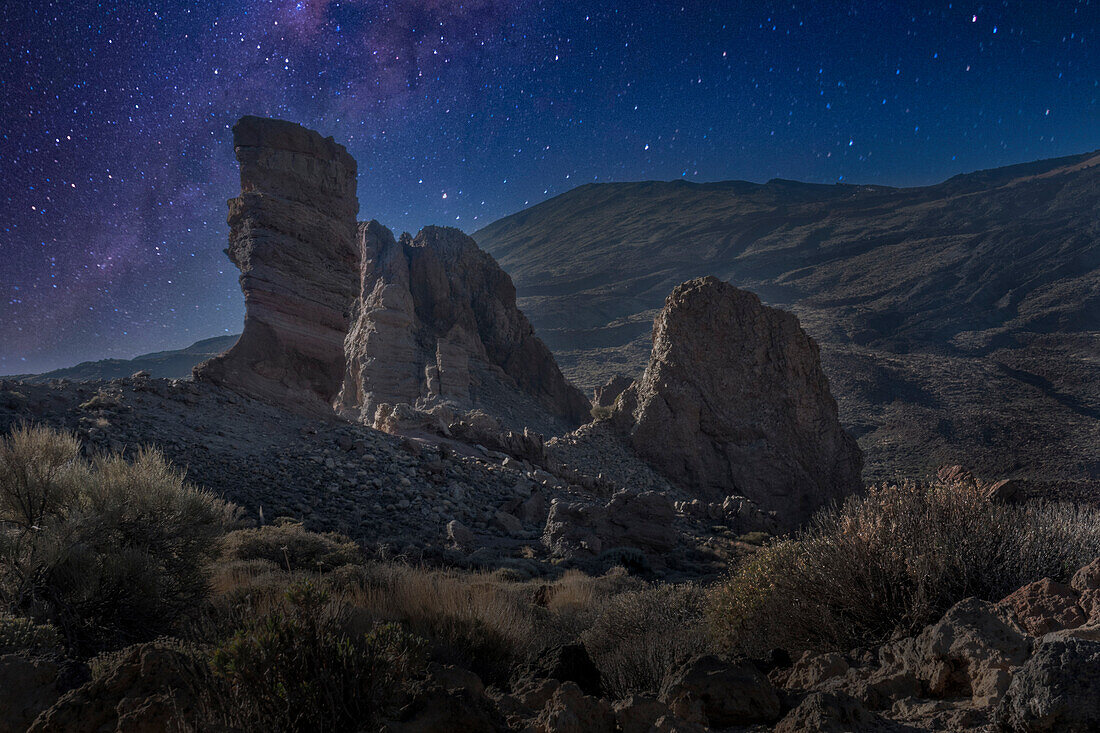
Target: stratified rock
x=437 y=322
x=292 y=234
x=734 y=401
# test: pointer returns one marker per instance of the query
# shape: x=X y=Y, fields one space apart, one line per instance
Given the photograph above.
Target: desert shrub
x=472 y=620
x=292 y=547
x=299 y=668
x=640 y=636
x=894 y=561
x=20 y=635
x=600 y=412
x=108 y=551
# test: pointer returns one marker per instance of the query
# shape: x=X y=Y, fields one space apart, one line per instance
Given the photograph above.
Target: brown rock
x=638 y=713
x=292 y=234
x=144 y=691
x=827 y=712
x=571 y=711
x=1045 y=606
x=437 y=322
x=813 y=669
x=716 y=693
x=734 y=401
x=954 y=475
x=970 y=652
x=27 y=687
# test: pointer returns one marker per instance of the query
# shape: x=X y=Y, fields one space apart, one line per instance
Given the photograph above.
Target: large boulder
x=143 y=688
x=716 y=693
x=292 y=234
x=640 y=520
x=1045 y=606
x=437 y=323
x=1057 y=689
x=734 y=401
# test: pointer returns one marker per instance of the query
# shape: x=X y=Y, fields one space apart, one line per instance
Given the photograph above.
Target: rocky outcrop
x=437 y=323
x=606 y=395
x=734 y=401
x=292 y=234
x=643 y=521
x=719 y=694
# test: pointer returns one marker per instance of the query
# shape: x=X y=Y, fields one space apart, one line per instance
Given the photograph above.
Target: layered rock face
x=293 y=236
x=437 y=326
x=734 y=401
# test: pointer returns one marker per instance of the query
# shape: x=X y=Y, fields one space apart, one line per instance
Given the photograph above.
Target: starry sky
x=116 y=152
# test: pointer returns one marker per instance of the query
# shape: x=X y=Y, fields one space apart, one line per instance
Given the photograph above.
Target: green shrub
x=641 y=636
x=108 y=551
x=292 y=547
x=299 y=669
x=894 y=561
x=23 y=636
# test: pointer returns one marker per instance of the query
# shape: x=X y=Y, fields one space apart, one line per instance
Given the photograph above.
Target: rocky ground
x=424 y=499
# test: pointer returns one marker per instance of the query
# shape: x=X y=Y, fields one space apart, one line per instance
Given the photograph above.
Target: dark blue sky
x=116 y=152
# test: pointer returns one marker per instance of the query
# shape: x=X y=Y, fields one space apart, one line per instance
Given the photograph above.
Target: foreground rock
x=437 y=325
x=292 y=234
x=734 y=401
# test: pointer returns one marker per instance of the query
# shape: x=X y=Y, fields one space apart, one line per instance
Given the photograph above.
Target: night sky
x=116 y=153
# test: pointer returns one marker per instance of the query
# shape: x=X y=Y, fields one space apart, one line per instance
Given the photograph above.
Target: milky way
x=116 y=152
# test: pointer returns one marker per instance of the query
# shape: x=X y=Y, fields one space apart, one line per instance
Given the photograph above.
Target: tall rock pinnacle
x=293 y=236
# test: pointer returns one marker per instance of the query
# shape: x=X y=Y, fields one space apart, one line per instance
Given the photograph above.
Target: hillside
x=959 y=323
x=172 y=364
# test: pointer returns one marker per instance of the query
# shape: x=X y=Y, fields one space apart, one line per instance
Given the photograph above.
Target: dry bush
x=468 y=619
x=640 y=636
x=894 y=561
x=23 y=636
x=292 y=547
x=108 y=551
x=301 y=667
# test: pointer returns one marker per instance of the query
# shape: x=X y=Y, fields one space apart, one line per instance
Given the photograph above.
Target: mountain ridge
x=957 y=306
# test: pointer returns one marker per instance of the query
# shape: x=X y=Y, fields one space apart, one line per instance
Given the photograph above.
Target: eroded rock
x=292 y=234
x=734 y=401
x=437 y=323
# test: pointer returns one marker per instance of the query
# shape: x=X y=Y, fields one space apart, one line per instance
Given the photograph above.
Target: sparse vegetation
x=280 y=628
x=291 y=547
x=893 y=561
x=302 y=667
x=107 y=550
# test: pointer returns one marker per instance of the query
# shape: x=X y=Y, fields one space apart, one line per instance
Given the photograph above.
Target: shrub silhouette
x=107 y=550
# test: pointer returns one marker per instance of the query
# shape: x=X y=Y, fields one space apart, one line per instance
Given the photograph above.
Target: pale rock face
x=292 y=234
x=437 y=323
x=734 y=401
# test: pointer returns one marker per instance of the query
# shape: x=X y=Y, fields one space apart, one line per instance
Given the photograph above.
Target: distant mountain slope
x=959 y=322
x=164 y=364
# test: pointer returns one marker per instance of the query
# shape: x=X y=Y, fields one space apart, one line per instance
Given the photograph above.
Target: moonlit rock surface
x=437 y=322
x=734 y=401
x=292 y=234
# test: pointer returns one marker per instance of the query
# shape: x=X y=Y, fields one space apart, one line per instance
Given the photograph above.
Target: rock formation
x=437 y=325
x=734 y=401
x=292 y=234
